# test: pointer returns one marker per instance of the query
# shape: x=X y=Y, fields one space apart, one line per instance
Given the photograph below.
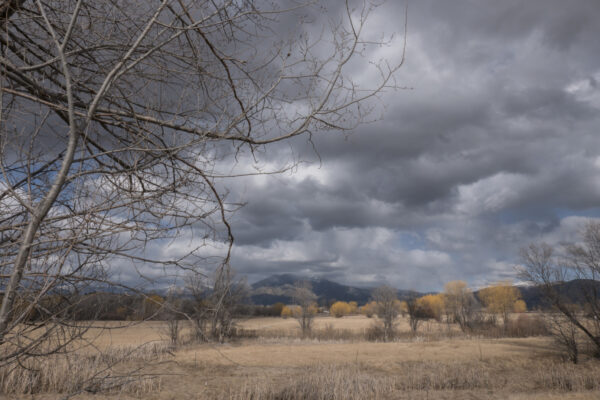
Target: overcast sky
x=495 y=145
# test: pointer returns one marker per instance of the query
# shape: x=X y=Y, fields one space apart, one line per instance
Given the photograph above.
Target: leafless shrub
x=415 y=312
x=549 y=271
x=522 y=326
x=566 y=335
x=461 y=306
x=199 y=315
x=172 y=313
x=307 y=307
x=387 y=309
x=213 y=304
x=376 y=333
x=527 y=325
x=172 y=329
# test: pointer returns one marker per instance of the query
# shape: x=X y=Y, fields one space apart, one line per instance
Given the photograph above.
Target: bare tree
x=460 y=304
x=213 y=303
x=565 y=333
x=548 y=270
x=227 y=293
x=197 y=285
x=119 y=121
x=307 y=306
x=416 y=313
x=388 y=309
x=171 y=313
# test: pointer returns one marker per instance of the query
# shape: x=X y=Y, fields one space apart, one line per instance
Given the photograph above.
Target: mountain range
x=280 y=288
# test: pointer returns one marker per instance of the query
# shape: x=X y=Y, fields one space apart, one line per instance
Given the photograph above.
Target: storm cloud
x=493 y=143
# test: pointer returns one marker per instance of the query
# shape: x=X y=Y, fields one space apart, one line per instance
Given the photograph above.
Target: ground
x=430 y=365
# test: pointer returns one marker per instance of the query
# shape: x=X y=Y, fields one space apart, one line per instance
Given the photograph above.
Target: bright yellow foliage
x=369 y=309
x=313 y=309
x=520 y=306
x=500 y=298
x=292 y=311
x=353 y=307
x=155 y=299
x=433 y=305
x=456 y=289
x=339 y=309
x=286 y=312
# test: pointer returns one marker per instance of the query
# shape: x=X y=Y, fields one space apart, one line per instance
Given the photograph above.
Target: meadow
x=269 y=360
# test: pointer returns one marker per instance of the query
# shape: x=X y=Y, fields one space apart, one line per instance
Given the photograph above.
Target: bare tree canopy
x=116 y=118
x=306 y=300
x=388 y=308
x=548 y=267
x=460 y=304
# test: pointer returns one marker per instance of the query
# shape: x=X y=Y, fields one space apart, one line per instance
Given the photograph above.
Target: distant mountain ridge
x=571 y=292
x=280 y=288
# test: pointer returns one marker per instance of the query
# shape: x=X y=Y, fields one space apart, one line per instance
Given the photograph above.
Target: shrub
x=339 y=309
x=520 y=306
x=277 y=308
x=432 y=306
x=286 y=312
x=369 y=309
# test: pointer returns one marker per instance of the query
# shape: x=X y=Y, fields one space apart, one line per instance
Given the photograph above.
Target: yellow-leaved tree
x=353 y=307
x=432 y=306
x=339 y=309
x=369 y=309
x=501 y=299
x=520 y=306
x=290 y=311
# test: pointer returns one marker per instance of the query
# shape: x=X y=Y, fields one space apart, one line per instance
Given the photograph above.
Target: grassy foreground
x=438 y=363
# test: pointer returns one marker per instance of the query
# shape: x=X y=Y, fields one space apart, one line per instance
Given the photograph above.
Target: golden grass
x=121 y=333
x=435 y=364
x=351 y=382
x=300 y=353
x=353 y=323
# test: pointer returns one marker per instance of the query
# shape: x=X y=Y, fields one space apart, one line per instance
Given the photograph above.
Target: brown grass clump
x=333 y=382
x=325 y=382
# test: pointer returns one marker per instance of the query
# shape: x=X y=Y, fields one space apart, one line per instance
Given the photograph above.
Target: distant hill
x=280 y=288
x=573 y=291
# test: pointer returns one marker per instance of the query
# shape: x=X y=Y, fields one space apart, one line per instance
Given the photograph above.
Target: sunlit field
x=271 y=361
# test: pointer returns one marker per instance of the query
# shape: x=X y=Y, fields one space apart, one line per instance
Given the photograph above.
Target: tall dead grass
x=320 y=383
x=354 y=382
x=104 y=371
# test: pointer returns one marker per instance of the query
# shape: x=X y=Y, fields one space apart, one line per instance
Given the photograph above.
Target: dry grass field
x=337 y=364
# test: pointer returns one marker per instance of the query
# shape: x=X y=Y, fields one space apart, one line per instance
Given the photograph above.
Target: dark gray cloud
x=496 y=144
